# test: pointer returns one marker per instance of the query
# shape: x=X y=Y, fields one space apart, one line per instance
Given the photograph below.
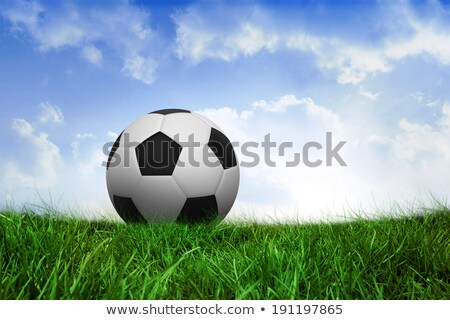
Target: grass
x=45 y=257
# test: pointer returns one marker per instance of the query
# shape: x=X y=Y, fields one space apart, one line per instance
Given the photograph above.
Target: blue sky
x=74 y=74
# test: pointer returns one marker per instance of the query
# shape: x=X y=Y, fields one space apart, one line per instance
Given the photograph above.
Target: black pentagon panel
x=169 y=111
x=158 y=155
x=127 y=210
x=113 y=150
x=199 y=210
x=222 y=148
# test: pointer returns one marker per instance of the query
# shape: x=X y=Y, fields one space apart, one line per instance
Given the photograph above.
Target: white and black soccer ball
x=172 y=165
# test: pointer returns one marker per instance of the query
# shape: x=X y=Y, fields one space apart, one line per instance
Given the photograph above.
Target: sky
x=74 y=74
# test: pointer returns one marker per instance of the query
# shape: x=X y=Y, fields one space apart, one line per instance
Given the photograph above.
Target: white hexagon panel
x=198 y=171
x=172 y=165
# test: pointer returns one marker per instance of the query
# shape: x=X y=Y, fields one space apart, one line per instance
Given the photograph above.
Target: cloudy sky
x=375 y=74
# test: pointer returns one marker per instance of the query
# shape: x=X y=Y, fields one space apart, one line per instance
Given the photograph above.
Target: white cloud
x=50 y=113
x=250 y=39
x=75 y=145
x=280 y=105
x=426 y=40
x=201 y=35
x=368 y=94
x=425 y=99
x=85 y=135
x=290 y=100
x=417 y=140
x=358 y=63
x=234 y=123
x=24 y=14
x=352 y=62
x=66 y=36
x=444 y=121
x=140 y=68
x=23 y=127
x=197 y=45
x=43 y=161
x=29 y=16
x=355 y=63
x=123 y=28
x=14 y=178
x=323 y=114
x=374 y=138
x=417 y=152
x=433 y=103
x=418 y=96
x=91 y=164
x=92 y=54
x=41 y=175
x=112 y=135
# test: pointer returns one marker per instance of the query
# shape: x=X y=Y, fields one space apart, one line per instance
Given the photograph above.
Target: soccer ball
x=172 y=165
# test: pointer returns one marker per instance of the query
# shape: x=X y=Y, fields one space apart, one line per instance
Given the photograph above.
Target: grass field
x=50 y=258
